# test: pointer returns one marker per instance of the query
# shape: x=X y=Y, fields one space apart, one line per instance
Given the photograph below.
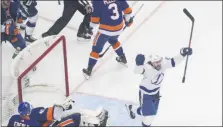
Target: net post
x=20 y=88
x=65 y=65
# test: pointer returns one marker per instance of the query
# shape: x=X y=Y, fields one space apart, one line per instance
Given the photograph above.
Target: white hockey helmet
x=155 y=61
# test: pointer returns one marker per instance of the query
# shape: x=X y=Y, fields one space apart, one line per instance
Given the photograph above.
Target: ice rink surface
x=160 y=28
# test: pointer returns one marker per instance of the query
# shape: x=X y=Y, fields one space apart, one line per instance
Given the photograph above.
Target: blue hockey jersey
x=10 y=13
x=39 y=117
x=18 y=121
x=109 y=14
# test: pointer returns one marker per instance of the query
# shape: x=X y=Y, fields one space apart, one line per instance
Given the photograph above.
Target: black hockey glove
x=129 y=23
x=186 y=51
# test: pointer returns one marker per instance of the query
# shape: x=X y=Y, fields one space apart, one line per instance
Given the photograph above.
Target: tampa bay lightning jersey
x=109 y=14
x=153 y=78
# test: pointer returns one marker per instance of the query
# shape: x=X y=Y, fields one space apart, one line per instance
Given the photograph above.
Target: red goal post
x=59 y=40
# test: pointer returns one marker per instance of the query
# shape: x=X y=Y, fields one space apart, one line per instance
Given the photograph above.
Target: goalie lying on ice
x=58 y=115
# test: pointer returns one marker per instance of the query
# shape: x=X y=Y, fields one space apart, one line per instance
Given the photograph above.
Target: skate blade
x=86 y=76
x=83 y=40
x=123 y=64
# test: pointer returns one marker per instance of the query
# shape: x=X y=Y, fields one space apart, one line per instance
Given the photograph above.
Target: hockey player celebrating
x=9 y=31
x=28 y=11
x=152 y=69
x=109 y=14
x=58 y=115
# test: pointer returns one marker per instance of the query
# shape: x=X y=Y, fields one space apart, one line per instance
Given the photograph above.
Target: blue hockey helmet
x=24 y=108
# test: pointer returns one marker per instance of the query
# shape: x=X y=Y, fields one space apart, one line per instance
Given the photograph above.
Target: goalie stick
x=101 y=55
x=191 y=33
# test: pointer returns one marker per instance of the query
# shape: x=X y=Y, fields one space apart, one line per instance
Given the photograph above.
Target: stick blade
x=188 y=14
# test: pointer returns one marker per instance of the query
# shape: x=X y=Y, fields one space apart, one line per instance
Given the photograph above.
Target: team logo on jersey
x=157 y=79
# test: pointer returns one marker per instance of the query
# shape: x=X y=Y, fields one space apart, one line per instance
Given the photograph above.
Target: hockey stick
x=192 y=20
x=101 y=55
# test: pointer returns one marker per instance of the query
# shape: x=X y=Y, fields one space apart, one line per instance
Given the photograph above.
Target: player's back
x=110 y=15
x=18 y=121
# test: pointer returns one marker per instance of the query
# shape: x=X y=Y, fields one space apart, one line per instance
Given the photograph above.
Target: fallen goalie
x=65 y=115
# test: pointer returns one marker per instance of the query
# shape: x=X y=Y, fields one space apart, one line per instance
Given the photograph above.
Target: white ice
x=197 y=102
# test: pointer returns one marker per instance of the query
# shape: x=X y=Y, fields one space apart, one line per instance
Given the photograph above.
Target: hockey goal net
x=38 y=75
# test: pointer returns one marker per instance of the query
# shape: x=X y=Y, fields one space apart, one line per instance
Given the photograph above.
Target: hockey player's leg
x=118 y=49
x=68 y=12
x=72 y=120
x=149 y=108
x=98 y=44
x=31 y=24
x=18 y=43
x=82 y=33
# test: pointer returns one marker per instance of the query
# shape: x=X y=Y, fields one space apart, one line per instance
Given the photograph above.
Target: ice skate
x=122 y=60
x=83 y=37
x=130 y=112
x=30 y=38
x=87 y=72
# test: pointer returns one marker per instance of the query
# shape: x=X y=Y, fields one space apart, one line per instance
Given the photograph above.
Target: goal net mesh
x=38 y=75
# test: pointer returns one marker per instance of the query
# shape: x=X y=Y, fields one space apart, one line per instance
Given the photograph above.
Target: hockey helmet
x=24 y=108
x=155 y=61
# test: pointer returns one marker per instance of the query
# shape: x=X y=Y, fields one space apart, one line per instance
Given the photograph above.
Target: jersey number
x=114 y=7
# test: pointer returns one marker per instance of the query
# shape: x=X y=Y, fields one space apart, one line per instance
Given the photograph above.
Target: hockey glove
x=186 y=51
x=129 y=23
x=140 y=59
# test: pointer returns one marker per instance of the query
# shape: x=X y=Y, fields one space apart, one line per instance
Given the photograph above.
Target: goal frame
x=44 y=54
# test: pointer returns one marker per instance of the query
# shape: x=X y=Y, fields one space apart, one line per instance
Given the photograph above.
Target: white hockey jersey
x=153 y=78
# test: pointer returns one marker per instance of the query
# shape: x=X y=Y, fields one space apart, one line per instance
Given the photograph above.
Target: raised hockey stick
x=101 y=55
x=191 y=33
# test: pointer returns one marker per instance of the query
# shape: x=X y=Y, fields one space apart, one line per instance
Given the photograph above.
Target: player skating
x=58 y=115
x=28 y=11
x=152 y=69
x=109 y=16
x=9 y=31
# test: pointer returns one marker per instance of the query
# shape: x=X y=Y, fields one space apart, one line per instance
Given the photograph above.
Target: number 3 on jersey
x=114 y=7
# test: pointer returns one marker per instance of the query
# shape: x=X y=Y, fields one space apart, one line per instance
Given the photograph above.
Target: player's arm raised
x=172 y=62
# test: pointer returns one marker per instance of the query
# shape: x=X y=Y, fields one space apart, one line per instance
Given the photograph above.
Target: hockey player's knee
x=116 y=45
x=33 y=19
x=147 y=121
x=94 y=55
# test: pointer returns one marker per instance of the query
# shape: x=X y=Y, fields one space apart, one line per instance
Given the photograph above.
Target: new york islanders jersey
x=153 y=78
x=10 y=13
x=18 y=121
x=109 y=14
x=39 y=116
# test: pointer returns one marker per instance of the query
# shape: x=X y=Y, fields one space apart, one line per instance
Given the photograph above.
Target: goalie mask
x=155 y=61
